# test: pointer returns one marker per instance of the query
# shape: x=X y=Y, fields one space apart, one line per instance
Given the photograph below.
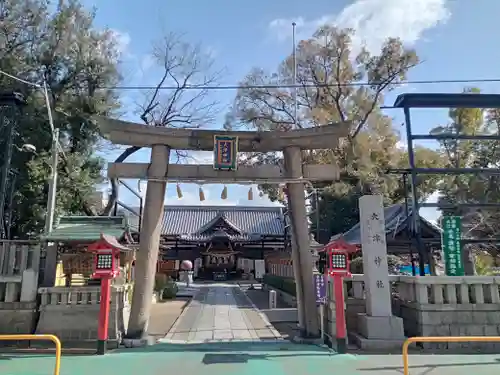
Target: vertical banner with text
x=320 y=288
x=451 y=243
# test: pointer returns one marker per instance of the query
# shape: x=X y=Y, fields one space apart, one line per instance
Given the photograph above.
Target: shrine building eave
x=206 y=238
x=86 y=229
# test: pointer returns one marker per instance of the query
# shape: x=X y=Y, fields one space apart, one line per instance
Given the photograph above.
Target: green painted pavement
x=246 y=358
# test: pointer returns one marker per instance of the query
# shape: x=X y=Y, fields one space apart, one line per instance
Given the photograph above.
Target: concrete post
x=272 y=299
x=301 y=255
x=147 y=256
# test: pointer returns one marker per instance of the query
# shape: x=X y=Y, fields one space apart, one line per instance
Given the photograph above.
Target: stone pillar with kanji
x=377 y=326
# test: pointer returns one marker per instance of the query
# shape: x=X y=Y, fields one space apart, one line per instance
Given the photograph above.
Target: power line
x=307 y=85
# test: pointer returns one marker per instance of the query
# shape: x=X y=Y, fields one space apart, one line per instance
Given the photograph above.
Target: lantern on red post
x=106 y=267
x=106 y=263
x=339 y=263
x=338 y=268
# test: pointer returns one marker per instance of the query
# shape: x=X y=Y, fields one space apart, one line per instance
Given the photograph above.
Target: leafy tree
x=329 y=73
x=64 y=49
x=472 y=188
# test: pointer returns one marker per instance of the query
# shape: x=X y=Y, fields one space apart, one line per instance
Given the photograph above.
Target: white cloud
x=122 y=40
x=211 y=52
x=401 y=144
x=146 y=63
x=431 y=214
x=374 y=21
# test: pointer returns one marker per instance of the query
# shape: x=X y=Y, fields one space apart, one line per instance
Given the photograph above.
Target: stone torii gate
x=158 y=171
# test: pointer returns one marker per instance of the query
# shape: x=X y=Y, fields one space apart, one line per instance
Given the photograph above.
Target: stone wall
x=451 y=306
x=18 y=310
x=72 y=313
x=17 y=317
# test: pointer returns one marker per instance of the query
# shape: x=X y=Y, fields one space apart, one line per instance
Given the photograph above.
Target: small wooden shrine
x=74 y=234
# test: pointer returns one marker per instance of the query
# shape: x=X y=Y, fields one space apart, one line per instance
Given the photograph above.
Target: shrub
x=286 y=284
x=393 y=262
x=161 y=281
x=170 y=290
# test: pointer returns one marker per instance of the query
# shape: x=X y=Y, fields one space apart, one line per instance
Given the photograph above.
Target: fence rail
x=52 y=338
x=19 y=270
x=17 y=256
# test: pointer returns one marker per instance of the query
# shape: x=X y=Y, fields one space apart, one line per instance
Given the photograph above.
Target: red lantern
x=107 y=258
x=339 y=263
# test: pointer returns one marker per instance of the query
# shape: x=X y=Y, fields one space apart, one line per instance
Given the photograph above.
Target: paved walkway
x=218 y=313
x=222 y=333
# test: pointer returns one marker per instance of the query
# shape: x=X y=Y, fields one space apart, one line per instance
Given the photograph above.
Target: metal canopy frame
x=441 y=100
x=127 y=207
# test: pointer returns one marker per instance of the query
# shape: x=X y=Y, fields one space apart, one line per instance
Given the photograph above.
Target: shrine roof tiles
x=189 y=220
x=87 y=228
x=397 y=218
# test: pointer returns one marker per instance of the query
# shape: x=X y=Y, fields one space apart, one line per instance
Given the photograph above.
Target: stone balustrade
x=84 y=295
x=71 y=313
x=437 y=306
x=450 y=306
x=280 y=269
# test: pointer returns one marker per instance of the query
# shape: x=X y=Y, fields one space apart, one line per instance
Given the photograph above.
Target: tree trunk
x=114 y=182
x=468 y=261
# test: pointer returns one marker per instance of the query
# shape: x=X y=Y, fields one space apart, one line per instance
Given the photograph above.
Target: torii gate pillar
x=150 y=240
x=301 y=254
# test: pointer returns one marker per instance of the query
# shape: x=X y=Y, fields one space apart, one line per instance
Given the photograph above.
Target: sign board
x=320 y=288
x=452 y=245
x=260 y=268
x=225 y=152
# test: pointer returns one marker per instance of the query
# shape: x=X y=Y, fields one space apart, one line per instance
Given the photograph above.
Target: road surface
x=222 y=333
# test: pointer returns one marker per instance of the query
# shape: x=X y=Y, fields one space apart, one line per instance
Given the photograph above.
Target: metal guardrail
x=410 y=340
x=52 y=338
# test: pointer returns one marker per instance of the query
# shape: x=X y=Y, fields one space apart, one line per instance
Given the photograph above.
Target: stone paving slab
x=221 y=312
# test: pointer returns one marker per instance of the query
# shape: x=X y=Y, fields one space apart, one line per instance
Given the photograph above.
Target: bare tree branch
x=183 y=65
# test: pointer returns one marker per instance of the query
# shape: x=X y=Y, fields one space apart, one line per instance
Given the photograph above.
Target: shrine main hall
x=214 y=238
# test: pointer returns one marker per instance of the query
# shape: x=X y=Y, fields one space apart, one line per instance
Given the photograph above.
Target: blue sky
x=456 y=39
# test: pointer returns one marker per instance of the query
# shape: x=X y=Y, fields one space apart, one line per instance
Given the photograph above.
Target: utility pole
x=51 y=258
x=51 y=200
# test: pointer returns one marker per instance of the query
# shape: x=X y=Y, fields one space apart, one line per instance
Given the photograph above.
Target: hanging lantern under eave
x=250 y=194
x=223 y=195
x=179 y=191
x=202 y=194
